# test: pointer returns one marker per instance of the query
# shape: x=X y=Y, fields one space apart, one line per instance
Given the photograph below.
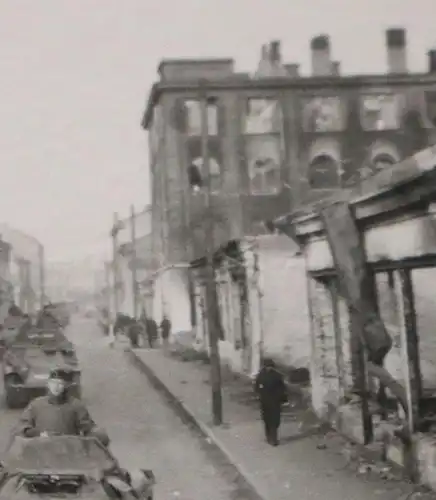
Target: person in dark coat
x=134 y=332
x=151 y=331
x=165 y=328
x=270 y=387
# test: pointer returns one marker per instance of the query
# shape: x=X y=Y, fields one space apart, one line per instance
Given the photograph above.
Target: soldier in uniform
x=58 y=413
x=271 y=389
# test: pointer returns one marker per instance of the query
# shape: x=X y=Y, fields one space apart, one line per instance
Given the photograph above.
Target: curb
x=245 y=478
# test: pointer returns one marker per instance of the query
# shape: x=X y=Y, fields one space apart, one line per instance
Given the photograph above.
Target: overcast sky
x=74 y=76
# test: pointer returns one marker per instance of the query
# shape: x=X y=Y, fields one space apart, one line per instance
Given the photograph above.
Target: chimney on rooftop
x=274 y=51
x=321 y=63
x=432 y=61
x=396 y=50
x=264 y=52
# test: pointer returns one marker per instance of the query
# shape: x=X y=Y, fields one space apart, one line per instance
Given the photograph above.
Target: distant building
x=134 y=260
x=27 y=267
x=6 y=289
x=277 y=140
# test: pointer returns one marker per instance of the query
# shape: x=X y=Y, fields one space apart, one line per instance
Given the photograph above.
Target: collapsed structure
x=385 y=228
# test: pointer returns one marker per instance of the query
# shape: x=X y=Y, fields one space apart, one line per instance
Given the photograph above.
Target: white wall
x=171 y=296
x=126 y=294
x=285 y=313
x=278 y=311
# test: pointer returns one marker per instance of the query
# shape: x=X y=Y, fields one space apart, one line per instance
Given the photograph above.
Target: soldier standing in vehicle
x=271 y=389
x=58 y=413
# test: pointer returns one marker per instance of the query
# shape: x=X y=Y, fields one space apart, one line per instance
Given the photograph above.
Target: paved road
x=145 y=432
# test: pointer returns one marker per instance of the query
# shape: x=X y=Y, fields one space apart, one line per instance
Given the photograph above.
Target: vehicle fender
x=119 y=484
x=11 y=371
x=142 y=480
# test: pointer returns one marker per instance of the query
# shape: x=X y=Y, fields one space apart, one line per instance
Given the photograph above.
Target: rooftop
x=273 y=73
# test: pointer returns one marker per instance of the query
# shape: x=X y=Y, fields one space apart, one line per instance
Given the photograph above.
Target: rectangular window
x=195 y=161
x=193 y=130
x=263 y=160
x=193 y=118
x=380 y=112
x=262 y=116
x=323 y=114
x=263 y=145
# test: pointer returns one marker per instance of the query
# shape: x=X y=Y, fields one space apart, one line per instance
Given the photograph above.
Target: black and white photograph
x=217 y=250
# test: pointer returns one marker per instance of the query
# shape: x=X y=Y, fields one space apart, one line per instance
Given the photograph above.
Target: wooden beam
x=409 y=345
x=355 y=279
x=357 y=286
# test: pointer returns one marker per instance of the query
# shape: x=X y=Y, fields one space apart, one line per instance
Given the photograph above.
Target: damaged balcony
x=371 y=262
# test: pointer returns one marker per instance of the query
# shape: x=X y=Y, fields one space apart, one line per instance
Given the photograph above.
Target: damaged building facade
x=275 y=141
x=370 y=258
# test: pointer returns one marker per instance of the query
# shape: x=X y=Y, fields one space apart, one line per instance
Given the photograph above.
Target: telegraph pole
x=114 y=235
x=211 y=299
x=133 y=261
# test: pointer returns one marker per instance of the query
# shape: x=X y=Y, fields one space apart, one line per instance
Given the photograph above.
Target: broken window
x=380 y=112
x=196 y=170
x=382 y=161
x=262 y=116
x=263 y=145
x=324 y=173
x=193 y=118
x=197 y=175
x=323 y=114
x=263 y=160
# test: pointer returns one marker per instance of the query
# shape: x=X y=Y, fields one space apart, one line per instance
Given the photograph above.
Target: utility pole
x=114 y=234
x=211 y=298
x=41 y=263
x=107 y=281
x=133 y=261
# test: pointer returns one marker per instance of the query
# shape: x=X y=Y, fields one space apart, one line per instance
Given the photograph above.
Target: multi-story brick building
x=277 y=139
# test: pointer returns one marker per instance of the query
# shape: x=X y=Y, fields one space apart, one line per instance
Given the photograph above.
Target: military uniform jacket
x=68 y=417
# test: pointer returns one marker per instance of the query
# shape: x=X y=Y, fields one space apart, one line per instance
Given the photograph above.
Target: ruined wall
x=285 y=313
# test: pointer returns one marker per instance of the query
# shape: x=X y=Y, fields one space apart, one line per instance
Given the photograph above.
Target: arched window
x=323 y=172
x=382 y=160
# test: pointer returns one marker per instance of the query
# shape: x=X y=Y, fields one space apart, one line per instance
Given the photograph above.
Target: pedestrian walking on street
x=270 y=387
x=151 y=331
x=134 y=333
x=165 y=328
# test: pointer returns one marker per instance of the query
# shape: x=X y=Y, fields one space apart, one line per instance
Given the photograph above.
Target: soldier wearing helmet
x=58 y=413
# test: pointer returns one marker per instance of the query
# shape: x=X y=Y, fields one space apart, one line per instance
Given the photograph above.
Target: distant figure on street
x=165 y=329
x=271 y=389
x=151 y=331
x=134 y=332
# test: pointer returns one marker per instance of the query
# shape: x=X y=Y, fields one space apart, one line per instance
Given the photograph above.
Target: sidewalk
x=308 y=464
